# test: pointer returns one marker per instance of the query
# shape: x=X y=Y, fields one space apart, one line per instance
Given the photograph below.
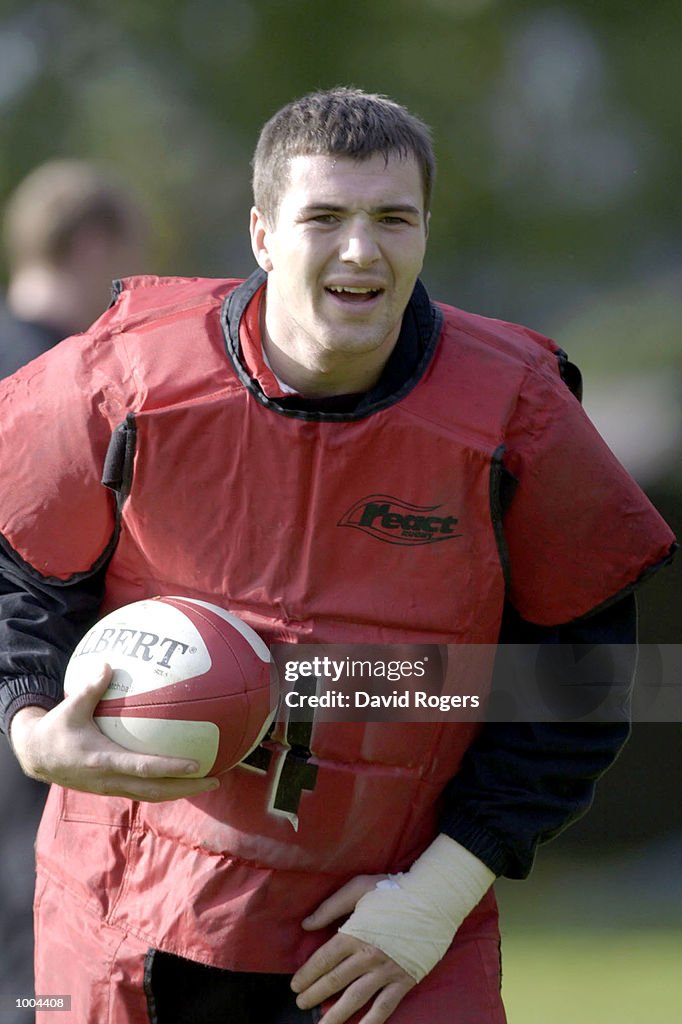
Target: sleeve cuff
x=481 y=843
x=27 y=691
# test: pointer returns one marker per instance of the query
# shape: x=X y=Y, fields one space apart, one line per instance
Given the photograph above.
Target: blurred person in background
x=69 y=229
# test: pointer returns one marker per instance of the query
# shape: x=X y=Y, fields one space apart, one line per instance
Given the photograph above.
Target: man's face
x=342 y=257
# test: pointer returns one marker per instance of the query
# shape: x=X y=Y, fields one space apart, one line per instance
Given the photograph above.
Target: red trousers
x=102 y=969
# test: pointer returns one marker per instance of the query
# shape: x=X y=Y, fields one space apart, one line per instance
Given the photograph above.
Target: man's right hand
x=65 y=746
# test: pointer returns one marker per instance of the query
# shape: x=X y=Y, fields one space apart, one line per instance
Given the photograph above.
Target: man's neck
x=243 y=334
x=321 y=381
x=316 y=374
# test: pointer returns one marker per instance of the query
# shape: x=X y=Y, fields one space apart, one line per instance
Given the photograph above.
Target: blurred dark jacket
x=21 y=341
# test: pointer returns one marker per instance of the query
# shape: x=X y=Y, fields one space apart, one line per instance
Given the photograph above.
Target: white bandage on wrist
x=413 y=917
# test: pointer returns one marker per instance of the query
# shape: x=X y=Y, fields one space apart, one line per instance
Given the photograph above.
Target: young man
x=259 y=439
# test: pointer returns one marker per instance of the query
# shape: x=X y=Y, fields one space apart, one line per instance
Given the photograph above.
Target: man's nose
x=359 y=244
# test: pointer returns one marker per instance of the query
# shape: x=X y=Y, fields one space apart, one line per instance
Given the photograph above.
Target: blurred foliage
x=556 y=125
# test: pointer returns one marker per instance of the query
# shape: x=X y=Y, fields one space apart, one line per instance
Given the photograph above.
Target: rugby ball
x=189 y=680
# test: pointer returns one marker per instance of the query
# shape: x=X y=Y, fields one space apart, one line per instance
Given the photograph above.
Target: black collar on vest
x=413 y=351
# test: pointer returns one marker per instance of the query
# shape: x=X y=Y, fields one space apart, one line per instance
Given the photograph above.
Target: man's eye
x=393 y=220
x=325 y=218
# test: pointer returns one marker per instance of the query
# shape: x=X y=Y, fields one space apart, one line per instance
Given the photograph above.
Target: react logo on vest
x=398 y=522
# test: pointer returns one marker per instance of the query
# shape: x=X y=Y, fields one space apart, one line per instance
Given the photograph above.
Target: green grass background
x=593 y=943
x=557 y=976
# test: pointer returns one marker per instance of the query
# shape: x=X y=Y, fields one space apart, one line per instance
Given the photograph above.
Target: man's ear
x=427 y=224
x=259 y=231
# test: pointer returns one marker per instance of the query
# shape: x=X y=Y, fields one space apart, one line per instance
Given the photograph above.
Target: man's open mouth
x=350 y=293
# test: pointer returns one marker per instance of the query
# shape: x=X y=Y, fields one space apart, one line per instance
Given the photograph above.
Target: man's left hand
x=346 y=964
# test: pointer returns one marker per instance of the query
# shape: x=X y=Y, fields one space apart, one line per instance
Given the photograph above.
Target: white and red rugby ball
x=189 y=680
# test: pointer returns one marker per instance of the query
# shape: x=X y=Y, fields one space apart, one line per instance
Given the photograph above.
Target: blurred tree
x=558 y=147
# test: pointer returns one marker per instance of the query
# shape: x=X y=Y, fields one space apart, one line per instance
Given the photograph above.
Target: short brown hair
x=342 y=121
x=55 y=201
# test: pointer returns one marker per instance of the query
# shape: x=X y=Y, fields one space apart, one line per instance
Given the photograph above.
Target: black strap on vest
x=117 y=474
x=570 y=375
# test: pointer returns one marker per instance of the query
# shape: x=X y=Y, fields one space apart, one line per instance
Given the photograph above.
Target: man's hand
x=65 y=746
x=398 y=930
x=345 y=963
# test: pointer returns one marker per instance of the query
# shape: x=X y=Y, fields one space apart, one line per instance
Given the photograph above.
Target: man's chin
x=357 y=338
